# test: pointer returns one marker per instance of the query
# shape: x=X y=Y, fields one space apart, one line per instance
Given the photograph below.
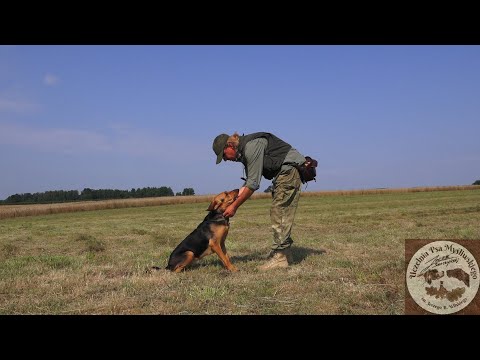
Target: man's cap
x=218 y=146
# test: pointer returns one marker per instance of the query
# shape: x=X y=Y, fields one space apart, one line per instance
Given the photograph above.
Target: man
x=265 y=154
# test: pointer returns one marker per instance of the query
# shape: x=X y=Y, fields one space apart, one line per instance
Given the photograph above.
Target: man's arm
x=254 y=152
x=243 y=195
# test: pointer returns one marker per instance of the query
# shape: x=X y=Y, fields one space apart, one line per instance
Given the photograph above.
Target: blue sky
x=125 y=117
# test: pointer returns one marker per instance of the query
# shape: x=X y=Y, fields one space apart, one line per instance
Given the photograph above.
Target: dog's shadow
x=299 y=254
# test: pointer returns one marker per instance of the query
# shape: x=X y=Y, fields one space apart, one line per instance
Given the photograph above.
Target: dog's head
x=223 y=200
x=433 y=274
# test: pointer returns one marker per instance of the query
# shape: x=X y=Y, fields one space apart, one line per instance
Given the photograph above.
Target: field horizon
x=19 y=210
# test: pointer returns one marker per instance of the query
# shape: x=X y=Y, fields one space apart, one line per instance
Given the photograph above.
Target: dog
x=209 y=237
x=432 y=275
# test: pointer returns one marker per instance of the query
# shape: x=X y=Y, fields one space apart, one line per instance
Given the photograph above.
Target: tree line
x=56 y=196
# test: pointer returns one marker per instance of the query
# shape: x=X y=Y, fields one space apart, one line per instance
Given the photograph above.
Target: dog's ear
x=213 y=206
x=429 y=278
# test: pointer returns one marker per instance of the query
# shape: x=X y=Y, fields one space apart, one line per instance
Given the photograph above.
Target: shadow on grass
x=194 y=265
x=299 y=254
x=248 y=257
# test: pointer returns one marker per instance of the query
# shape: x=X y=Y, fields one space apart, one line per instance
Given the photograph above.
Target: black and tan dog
x=209 y=237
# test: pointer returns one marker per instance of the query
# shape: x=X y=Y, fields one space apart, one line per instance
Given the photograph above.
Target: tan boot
x=280 y=259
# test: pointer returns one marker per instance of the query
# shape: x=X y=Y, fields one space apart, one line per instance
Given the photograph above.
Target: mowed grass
x=348 y=257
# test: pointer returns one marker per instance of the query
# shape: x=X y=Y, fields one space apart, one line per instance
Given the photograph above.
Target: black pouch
x=307 y=170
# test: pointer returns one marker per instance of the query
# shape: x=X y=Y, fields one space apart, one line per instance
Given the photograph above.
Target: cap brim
x=219 y=158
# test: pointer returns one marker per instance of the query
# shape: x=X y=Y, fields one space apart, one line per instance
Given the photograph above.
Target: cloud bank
x=121 y=141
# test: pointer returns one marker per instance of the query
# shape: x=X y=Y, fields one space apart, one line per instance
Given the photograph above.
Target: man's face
x=229 y=153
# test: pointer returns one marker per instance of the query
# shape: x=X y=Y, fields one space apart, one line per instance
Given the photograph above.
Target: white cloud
x=18 y=106
x=122 y=140
x=55 y=140
x=132 y=141
x=50 y=80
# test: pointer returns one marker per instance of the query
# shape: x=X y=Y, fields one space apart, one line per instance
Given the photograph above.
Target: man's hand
x=230 y=211
x=243 y=195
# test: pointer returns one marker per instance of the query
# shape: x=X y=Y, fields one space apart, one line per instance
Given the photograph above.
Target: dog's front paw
x=233 y=269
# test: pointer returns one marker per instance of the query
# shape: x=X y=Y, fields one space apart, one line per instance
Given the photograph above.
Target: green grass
x=348 y=257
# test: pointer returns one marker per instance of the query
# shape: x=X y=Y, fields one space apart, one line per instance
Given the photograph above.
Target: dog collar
x=220 y=218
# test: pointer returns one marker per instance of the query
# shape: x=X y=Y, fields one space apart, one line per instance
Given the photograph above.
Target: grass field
x=348 y=257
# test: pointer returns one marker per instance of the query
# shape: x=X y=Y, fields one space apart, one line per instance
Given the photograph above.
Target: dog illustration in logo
x=433 y=274
x=460 y=275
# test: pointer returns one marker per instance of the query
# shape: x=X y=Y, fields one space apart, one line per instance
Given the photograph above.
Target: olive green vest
x=274 y=156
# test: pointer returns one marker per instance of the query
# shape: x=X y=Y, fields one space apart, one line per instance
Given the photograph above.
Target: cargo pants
x=285 y=194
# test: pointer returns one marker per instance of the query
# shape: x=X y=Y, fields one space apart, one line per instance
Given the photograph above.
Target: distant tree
x=86 y=194
x=188 y=191
x=14 y=199
x=58 y=196
x=178 y=194
x=476 y=182
x=165 y=191
x=269 y=189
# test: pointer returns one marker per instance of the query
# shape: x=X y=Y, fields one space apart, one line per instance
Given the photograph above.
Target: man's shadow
x=299 y=254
